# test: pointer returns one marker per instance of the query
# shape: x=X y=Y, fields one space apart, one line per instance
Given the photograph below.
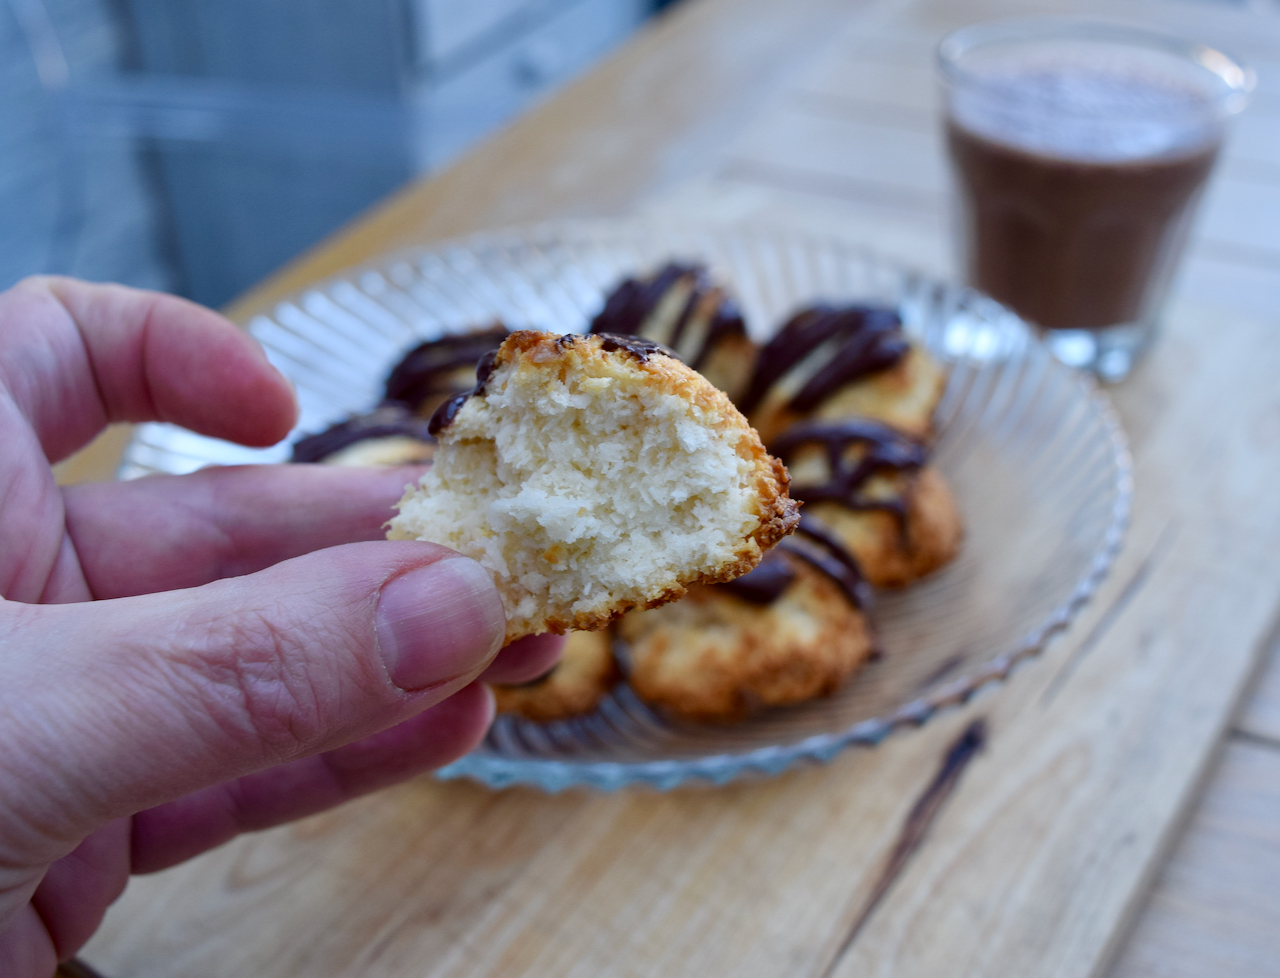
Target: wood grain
x=1210 y=911
x=1213 y=911
x=1042 y=854
x=1260 y=719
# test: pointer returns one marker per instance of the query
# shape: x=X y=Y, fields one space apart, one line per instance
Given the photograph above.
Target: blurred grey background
x=197 y=145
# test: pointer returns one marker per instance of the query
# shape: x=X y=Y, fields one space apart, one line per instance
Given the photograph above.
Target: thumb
x=111 y=707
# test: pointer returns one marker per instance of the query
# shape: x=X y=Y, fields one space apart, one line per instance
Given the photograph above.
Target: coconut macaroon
x=832 y=362
x=592 y=475
x=681 y=307
x=717 y=658
x=790 y=630
x=390 y=434
x=574 y=686
x=874 y=488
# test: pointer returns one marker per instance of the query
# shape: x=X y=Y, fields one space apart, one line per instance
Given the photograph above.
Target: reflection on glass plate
x=1032 y=452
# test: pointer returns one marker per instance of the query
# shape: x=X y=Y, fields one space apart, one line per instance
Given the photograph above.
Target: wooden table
x=1068 y=827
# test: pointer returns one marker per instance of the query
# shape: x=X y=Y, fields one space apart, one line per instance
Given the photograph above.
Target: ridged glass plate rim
x=147 y=453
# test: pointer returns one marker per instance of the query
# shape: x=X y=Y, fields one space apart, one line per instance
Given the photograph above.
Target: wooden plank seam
x=916 y=825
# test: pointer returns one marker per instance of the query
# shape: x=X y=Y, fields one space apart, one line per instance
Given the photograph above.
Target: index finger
x=77 y=356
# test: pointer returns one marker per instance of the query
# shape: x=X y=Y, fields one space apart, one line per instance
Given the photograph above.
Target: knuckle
x=261 y=684
x=35 y=283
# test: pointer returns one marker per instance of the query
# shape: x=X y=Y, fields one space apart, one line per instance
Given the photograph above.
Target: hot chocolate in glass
x=1080 y=151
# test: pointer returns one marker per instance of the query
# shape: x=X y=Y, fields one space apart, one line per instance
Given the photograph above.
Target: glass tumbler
x=1079 y=152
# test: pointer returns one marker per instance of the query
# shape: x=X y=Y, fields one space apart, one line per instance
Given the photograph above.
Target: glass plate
x=1031 y=450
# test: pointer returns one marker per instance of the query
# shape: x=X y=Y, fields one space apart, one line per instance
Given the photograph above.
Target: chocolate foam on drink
x=1086 y=109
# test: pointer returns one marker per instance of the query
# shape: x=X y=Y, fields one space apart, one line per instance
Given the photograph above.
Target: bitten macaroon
x=596 y=474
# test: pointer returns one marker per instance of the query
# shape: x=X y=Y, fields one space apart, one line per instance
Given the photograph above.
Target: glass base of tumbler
x=1109 y=353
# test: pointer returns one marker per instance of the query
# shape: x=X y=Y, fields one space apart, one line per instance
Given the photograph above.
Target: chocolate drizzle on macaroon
x=448 y=409
x=766 y=583
x=678 y=307
x=634 y=300
x=826 y=347
x=392 y=420
x=437 y=369
x=855 y=449
x=637 y=346
x=815 y=543
x=817 y=546
x=446 y=412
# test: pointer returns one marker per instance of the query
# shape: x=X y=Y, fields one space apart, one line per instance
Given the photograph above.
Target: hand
x=181 y=659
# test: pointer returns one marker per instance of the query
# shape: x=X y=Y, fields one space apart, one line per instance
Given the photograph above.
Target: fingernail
x=439 y=622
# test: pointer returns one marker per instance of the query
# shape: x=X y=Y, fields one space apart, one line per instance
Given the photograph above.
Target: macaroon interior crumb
x=585 y=485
